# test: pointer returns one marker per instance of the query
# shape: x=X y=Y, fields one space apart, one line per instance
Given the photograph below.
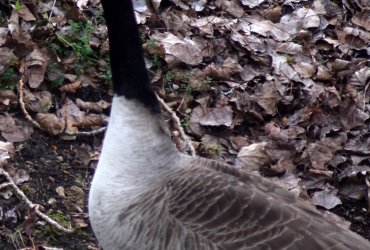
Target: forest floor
x=278 y=87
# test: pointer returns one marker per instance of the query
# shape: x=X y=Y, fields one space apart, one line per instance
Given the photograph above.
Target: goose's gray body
x=147 y=196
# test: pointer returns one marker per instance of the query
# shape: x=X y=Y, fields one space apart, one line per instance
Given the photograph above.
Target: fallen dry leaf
x=96 y=107
x=71 y=87
x=218 y=117
x=34 y=67
x=37 y=101
x=253 y=156
x=183 y=49
x=322 y=151
x=326 y=198
x=20 y=132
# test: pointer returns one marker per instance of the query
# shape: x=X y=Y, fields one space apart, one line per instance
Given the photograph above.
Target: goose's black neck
x=130 y=78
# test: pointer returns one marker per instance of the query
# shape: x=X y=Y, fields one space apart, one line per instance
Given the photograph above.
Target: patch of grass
x=17 y=238
x=8 y=79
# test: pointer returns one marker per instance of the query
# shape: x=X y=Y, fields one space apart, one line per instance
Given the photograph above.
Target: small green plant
x=215 y=149
x=47 y=232
x=17 y=6
x=290 y=59
x=99 y=16
x=107 y=76
x=170 y=75
x=8 y=79
x=77 y=42
x=186 y=120
x=181 y=78
x=168 y=81
x=153 y=44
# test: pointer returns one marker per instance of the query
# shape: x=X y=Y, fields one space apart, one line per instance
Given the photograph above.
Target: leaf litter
x=280 y=88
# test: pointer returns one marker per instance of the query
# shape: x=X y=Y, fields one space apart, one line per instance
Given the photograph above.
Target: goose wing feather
x=216 y=206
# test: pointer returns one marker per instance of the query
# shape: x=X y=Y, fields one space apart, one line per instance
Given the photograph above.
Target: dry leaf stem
x=23 y=106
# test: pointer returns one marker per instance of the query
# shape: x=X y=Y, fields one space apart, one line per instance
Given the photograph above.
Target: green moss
x=47 y=232
x=60 y=218
x=82 y=234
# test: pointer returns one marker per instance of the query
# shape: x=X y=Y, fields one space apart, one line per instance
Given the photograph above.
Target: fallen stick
x=32 y=205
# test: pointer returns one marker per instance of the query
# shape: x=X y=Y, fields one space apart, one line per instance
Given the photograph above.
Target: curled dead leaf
x=50 y=123
x=70 y=88
x=97 y=107
x=71 y=113
x=91 y=120
x=8 y=99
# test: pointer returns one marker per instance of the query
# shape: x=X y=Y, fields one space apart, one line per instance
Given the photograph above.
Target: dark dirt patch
x=356 y=213
x=51 y=163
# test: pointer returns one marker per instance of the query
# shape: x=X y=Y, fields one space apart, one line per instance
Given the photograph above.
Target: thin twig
x=32 y=205
x=23 y=107
x=51 y=10
x=4 y=185
x=366 y=87
x=178 y=125
x=87 y=133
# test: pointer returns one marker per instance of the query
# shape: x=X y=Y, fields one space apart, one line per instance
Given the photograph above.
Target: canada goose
x=146 y=195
